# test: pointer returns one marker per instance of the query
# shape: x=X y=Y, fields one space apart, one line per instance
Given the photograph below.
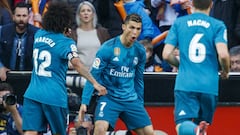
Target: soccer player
x=119 y=66
x=45 y=100
x=202 y=43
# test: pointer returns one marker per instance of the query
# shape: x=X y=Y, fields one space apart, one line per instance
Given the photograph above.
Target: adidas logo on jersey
x=181 y=113
x=115 y=59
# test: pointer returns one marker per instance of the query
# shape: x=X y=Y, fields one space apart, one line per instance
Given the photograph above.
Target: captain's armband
x=73 y=55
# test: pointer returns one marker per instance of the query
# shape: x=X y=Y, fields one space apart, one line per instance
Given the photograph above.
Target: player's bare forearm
x=172 y=59
x=224 y=59
x=82 y=111
x=83 y=71
x=225 y=67
x=168 y=55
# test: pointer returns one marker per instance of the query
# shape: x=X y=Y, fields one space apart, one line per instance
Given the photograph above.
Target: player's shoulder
x=138 y=45
x=216 y=21
x=109 y=44
x=64 y=39
x=40 y=32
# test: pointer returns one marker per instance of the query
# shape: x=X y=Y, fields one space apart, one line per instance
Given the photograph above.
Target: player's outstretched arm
x=83 y=71
x=82 y=111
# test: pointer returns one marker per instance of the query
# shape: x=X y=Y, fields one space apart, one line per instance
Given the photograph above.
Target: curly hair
x=58 y=17
x=234 y=51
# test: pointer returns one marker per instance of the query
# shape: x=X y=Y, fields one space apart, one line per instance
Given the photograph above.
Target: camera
x=10 y=99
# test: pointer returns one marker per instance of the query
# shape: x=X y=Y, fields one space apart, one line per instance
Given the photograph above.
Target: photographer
x=10 y=112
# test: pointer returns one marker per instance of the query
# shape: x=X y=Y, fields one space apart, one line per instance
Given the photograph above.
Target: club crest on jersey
x=73 y=48
x=75 y=54
x=135 y=61
x=116 y=51
x=96 y=63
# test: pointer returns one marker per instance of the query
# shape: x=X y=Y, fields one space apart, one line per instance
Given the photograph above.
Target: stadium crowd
x=158 y=16
x=96 y=21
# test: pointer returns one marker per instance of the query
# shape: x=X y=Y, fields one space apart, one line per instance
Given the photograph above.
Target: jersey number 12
x=42 y=60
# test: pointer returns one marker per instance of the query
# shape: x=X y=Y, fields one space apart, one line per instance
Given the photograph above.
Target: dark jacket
x=8 y=33
x=5 y=16
x=108 y=16
x=228 y=12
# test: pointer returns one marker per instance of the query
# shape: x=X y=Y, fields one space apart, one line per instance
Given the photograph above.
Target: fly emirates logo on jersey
x=125 y=73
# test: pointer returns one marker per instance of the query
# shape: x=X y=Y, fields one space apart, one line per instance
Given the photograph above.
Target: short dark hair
x=21 y=5
x=58 y=17
x=133 y=17
x=235 y=50
x=202 y=4
x=6 y=87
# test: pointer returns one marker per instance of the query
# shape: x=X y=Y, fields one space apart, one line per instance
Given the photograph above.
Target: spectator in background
x=88 y=35
x=166 y=14
x=11 y=4
x=5 y=13
x=235 y=58
x=108 y=16
x=229 y=12
x=202 y=46
x=10 y=111
x=153 y=63
x=16 y=42
x=237 y=26
x=37 y=9
x=149 y=29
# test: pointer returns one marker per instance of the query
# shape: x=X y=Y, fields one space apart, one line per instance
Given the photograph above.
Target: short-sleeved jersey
x=196 y=36
x=120 y=69
x=51 y=53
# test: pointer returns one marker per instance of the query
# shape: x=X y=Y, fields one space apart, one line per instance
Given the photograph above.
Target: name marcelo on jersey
x=45 y=40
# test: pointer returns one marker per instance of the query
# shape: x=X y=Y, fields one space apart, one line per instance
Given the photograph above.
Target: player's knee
x=100 y=127
x=99 y=130
x=148 y=130
x=186 y=128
